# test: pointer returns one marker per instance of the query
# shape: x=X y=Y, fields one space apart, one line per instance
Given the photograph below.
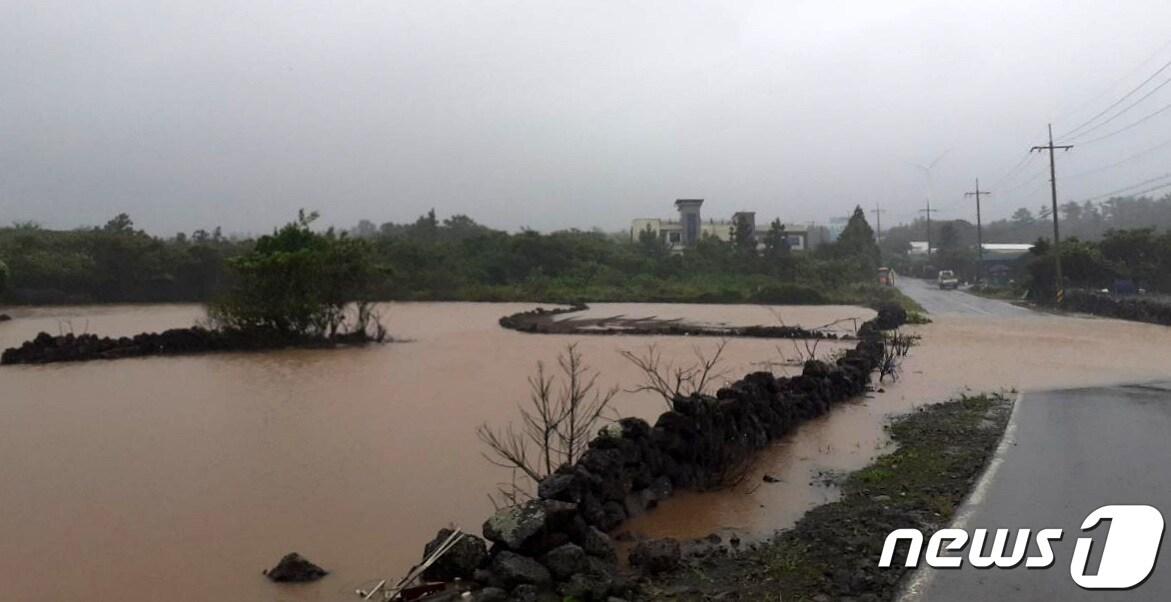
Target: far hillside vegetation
x=1120 y=240
x=454 y=258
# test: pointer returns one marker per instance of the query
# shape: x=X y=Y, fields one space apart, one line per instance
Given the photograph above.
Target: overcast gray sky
x=551 y=114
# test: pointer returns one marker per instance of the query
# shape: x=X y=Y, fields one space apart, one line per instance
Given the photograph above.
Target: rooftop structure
x=690 y=228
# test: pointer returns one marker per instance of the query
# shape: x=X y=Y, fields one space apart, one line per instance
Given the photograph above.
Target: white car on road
x=947 y=279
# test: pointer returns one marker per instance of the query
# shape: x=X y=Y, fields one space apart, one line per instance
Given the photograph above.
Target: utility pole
x=1053 y=186
x=877 y=211
x=926 y=169
x=928 y=211
x=979 y=229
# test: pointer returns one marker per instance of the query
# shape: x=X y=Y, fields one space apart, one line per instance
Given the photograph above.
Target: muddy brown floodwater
x=957 y=354
x=180 y=478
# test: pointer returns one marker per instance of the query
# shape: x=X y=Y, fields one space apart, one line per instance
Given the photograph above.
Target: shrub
x=789 y=294
x=301 y=283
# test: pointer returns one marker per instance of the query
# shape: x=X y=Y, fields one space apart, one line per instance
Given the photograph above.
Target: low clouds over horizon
x=561 y=114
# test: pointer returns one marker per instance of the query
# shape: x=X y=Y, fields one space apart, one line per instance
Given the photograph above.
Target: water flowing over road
x=1067 y=452
x=957 y=302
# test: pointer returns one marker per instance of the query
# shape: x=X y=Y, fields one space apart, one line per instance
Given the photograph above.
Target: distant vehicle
x=886 y=277
x=947 y=279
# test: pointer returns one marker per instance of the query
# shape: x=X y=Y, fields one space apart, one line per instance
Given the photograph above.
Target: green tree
x=743 y=236
x=776 y=241
x=1138 y=253
x=1082 y=265
x=120 y=224
x=778 y=256
x=650 y=243
x=297 y=282
x=426 y=228
x=461 y=227
x=1071 y=211
x=3 y=277
x=949 y=238
x=953 y=255
x=1023 y=217
x=856 y=242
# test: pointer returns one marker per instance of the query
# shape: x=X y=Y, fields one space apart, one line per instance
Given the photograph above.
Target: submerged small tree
x=673 y=381
x=297 y=282
x=556 y=424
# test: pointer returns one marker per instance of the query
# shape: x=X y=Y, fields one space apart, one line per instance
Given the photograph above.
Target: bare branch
x=671 y=382
x=895 y=348
x=507 y=449
x=555 y=425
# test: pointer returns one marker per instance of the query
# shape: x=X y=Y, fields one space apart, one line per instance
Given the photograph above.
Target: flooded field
x=184 y=477
x=956 y=354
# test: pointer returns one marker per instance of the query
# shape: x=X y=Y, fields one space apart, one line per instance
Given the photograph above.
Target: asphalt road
x=936 y=301
x=1065 y=453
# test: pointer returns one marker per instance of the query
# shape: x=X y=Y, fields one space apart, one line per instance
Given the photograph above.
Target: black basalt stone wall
x=557 y=542
x=1137 y=309
x=46 y=348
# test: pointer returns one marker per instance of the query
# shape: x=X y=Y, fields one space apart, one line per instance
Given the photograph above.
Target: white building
x=691 y=227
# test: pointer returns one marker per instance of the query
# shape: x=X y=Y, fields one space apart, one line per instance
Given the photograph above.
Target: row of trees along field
x=294 y=287
x=1125 y=238
x=113 y=263
x=451 y=259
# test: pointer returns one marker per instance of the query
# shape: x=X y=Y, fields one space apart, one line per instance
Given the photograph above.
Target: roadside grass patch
x=917 y=317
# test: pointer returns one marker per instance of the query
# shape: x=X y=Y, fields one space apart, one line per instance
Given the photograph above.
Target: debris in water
x=454 y=536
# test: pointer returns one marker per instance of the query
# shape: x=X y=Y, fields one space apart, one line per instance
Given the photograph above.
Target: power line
x=1123 y=111
x=1114 y=83
x=1152 y=189
x=1123 y=161
x=1126 y=188
x=1040 y=185
x=1132 y=125
x=1025 y=182
x=1119 y=101
x=1012 y=171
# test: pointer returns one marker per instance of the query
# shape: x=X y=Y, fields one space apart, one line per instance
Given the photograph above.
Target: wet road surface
x=937 y=301
x=1065 y=454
